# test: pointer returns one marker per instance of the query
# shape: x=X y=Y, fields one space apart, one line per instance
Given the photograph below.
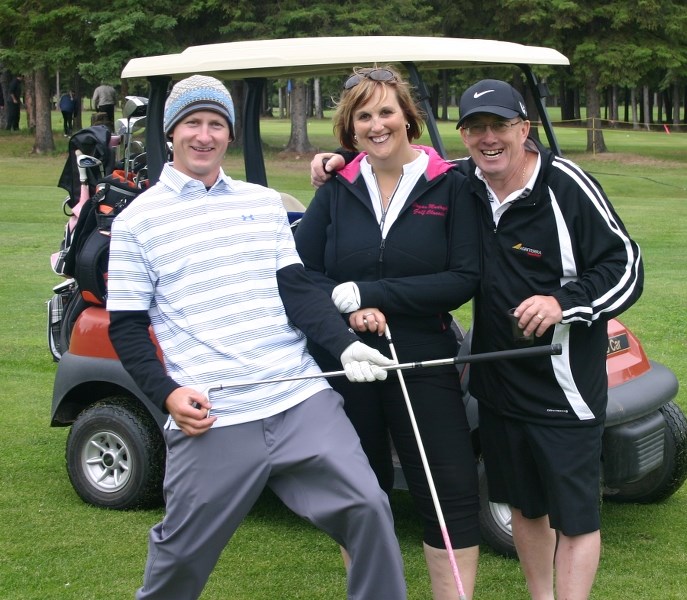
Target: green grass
x=53 y=546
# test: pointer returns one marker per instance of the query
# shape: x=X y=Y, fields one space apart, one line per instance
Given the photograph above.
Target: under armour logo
x=247 y=218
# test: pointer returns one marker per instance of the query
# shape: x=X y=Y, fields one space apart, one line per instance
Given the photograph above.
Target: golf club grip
x=551 y=350
x=483 y=357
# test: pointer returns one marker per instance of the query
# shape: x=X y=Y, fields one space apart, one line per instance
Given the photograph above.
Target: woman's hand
x=368 y=319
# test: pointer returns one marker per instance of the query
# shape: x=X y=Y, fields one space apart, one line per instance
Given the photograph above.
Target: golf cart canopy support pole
x=156 y=144
x=252 y=142
x=533 y=85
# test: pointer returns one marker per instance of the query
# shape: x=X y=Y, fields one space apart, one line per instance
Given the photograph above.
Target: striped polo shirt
x=203 y=264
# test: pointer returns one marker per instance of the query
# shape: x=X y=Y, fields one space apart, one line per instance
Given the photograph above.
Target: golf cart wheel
x=115 y=455
x=494 y=520
x=664 y=481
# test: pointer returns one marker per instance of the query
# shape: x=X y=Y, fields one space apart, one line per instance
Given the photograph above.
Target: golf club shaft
x=428 y=474
x=456 y=360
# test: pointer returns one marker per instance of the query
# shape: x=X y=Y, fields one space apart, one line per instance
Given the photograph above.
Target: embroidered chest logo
x=429 y=210
x=247 y=218
x=533 y=252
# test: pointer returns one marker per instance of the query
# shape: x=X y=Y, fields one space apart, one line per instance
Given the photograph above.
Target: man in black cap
x=554 y=248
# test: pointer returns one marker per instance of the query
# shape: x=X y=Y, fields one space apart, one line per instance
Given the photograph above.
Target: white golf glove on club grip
x=362 y=363
x=346 y=297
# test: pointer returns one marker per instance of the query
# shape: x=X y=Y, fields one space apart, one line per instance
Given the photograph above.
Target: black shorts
x=543 y=470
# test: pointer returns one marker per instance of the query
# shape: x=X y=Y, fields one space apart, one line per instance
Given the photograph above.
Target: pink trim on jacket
x=436 y=166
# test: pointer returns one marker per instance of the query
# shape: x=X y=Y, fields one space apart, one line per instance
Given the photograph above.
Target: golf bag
x=97 y=193
x=95 y=142
x=87 y=257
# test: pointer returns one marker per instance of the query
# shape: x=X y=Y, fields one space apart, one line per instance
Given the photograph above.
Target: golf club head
x=137 y=147
x=141 y=175
x=85 y=161
x=135 y=106
x=126 y=127
x=137 y=123
x=121 y=127
x=138 y=162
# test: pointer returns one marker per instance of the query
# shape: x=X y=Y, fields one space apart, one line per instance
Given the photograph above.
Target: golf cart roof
x=305 y=57
x=256 y=61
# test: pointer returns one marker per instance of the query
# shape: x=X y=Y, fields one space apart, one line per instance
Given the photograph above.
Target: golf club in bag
x=428 y=474
x=83 y=162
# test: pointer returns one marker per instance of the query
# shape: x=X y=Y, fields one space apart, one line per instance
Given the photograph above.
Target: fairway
x=55 y=547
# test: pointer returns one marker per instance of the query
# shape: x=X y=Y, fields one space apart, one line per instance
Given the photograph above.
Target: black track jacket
x=427 y=266
x=563 y=239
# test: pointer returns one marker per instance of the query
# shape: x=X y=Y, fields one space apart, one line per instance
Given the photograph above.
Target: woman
x=394 y=239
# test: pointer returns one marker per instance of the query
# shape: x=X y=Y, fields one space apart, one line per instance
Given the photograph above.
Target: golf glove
x=362 y=363
x=346 y=297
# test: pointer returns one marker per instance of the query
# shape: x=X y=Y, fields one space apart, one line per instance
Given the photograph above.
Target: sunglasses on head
x=373 y=74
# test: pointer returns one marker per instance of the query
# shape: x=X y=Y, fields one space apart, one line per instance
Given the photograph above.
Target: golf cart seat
x=291 y=204
x=294 y=208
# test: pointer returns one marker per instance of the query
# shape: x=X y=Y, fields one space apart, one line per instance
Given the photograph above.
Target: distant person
x=67 y=106
x=14 y=103
x=104 y=100
x=211 y=263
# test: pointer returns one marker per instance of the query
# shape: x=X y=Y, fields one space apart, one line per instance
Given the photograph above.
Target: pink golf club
x=428 y=474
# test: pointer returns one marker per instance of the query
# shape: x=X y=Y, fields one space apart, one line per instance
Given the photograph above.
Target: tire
x=115 y=455
x=663 y=482
x=494 y=520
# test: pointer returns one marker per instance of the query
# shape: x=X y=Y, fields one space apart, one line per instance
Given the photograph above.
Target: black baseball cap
x=494 y=97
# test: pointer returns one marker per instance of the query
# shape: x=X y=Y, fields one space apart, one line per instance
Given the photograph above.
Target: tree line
x=628 y=57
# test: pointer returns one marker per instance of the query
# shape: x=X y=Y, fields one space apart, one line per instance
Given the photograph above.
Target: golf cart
x=115 y=452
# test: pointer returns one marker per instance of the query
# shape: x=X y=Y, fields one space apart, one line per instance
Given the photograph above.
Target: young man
x=210 y=262
x=553 y=248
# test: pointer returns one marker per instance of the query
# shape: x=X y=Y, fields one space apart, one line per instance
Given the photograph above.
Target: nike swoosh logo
x=478 y=94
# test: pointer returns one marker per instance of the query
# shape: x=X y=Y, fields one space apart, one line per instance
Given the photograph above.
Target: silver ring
x=365 y=320
x=540 y=317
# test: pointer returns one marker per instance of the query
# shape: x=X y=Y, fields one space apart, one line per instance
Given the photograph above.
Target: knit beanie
x=198 y=92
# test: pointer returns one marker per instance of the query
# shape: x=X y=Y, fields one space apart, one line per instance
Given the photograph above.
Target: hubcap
x=502 y=516
x=105 y=461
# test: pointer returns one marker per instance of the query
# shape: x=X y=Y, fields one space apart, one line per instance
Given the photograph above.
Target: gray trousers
x=310 y=456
